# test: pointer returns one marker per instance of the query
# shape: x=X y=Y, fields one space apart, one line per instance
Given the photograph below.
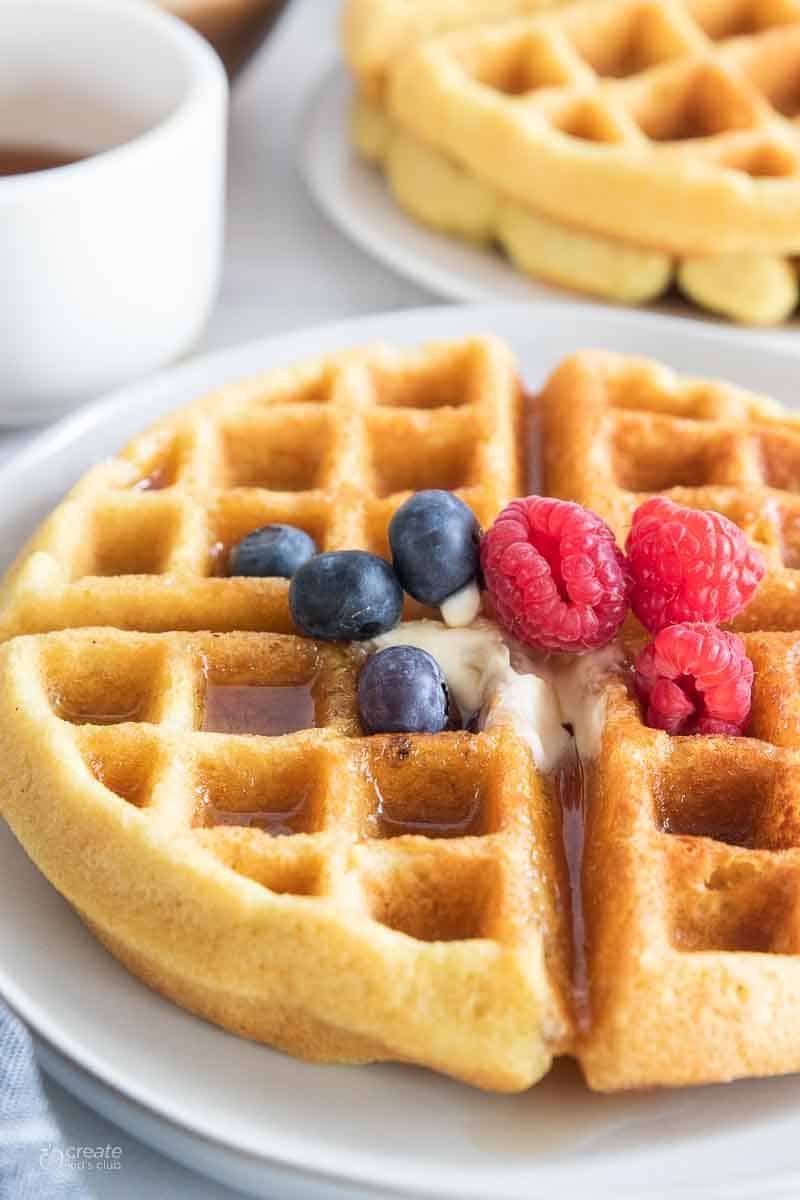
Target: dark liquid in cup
x=25 y=160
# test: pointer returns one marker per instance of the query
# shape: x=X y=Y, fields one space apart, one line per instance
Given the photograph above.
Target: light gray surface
x=285 y=268
x=143 y=1173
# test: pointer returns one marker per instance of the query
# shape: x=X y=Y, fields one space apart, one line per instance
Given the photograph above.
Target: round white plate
x=261 y=1121
x=354 y=196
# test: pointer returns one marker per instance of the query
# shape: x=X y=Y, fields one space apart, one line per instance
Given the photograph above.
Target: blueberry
x=402 y=690
x=434 y=539
x=273 y=550
x=345 y=595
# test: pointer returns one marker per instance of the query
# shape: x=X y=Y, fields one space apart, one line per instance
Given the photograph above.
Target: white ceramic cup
x=109 y=265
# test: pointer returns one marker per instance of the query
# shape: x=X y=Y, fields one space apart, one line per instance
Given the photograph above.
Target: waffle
x=689 y=108
x=415 y=906
x=415 y=909
x=437 y=191
x=333 y=447
x=753 y=289
x=691 y=873
x=691 y=881
x=425 y=900
x=376 y=32
x=616 y=430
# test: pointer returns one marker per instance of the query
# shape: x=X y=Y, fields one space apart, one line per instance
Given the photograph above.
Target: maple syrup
x=463 y=821
x=87 y=717
x=571 y=788
x=218 y=561
x=129 y=785
x=281 y=823
x=266 y=711
x=156 y=481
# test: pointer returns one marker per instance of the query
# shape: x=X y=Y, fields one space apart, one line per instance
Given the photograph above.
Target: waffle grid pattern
x=702 y=840
x=415 y=906
x=376 y=32
x=417 y=903
x=359 y=812
x=334 y=448
x=617 y=430
x=683 y=105
x=691 y=876
x=725 y=814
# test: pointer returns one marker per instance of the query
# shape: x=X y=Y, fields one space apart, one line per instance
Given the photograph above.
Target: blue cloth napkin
x=33 y=1157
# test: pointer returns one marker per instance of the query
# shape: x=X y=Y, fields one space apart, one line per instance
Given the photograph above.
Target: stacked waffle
x=413 y=897
x=615 y=148
x=375 y=33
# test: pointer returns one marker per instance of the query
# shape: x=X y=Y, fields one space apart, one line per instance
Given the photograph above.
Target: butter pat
x=462 y=607
x=529 y=704
x=580 y=682
x=476 y=662
x=473 y=659
x=506 y=683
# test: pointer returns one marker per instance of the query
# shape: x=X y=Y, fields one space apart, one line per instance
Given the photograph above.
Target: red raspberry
x=695 y=678
x=688 y=565
x=556 y=575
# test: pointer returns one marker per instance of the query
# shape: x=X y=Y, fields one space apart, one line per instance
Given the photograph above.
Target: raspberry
x=695 y=678
x=688 y=565
x=556 y=575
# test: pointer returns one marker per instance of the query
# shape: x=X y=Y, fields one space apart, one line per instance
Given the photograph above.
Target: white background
x=285 y=268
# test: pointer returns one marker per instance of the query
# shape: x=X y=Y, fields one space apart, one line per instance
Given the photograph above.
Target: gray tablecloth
x=35 y=1164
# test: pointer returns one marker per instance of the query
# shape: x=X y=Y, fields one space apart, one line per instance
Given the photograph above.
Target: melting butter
x=539 y=696
x=462 y=607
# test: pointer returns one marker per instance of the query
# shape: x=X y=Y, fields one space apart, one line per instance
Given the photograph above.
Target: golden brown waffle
x=754 y=289
x=333 y=447
x=417 y=905
x=524 y=135
x=691 y=885
x=691 y=873
x=616 y=430
x=415 y=908
x=376 y=32
x=669 y=125
x=438 y=192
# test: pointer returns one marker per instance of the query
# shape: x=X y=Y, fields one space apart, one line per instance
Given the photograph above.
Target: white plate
x=353 y=195
x=259 y=1120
